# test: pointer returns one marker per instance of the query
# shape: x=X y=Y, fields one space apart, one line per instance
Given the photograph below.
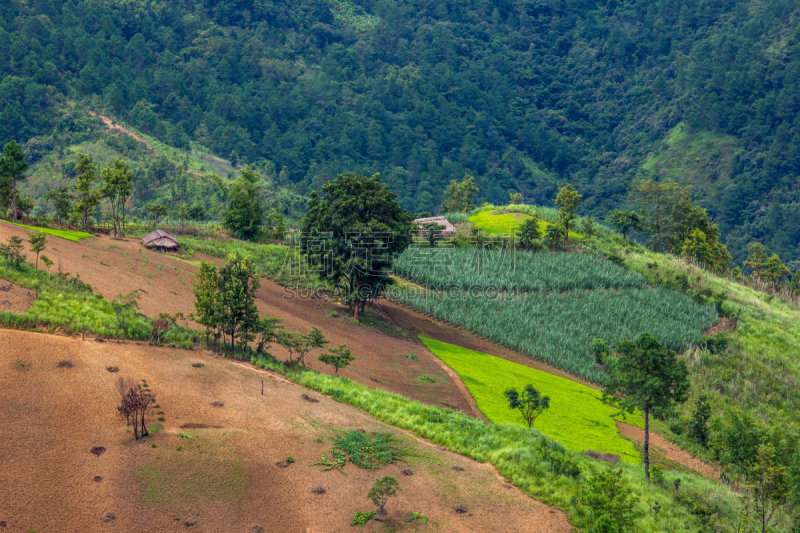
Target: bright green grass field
x=577 y=418
x=506 y=223
x=70 y=235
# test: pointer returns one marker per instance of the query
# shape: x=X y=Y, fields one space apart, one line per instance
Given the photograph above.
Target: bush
x=610 y=502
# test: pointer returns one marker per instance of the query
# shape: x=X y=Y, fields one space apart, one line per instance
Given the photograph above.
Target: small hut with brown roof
x=448 y=230
x=161 y=240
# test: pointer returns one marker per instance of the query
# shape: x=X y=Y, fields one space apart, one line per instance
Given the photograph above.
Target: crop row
x=558 y=328
x=511 y=270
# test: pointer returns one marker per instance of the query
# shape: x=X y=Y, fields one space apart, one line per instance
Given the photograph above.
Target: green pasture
x=504 y=223
x=577 y=417
x=70 y=235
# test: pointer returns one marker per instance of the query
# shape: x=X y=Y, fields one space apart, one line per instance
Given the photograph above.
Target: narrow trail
x=116 y=127
x=671 y=451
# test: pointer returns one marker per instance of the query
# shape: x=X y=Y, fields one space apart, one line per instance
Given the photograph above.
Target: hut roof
x=160 y=239
x=449 y=229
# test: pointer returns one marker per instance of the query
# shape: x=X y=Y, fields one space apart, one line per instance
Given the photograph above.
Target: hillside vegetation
x=573 y=299
x=577 y=417
x=524 y=95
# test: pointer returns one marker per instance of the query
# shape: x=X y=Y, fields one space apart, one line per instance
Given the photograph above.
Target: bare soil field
x=15 y=298
x=59 y=401
x=115 y=267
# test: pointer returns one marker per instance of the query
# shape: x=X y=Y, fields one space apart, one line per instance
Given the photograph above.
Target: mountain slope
x=525 y=94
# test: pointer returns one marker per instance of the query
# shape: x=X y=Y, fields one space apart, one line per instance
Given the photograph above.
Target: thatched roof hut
x=448 y=230
x=161 y=240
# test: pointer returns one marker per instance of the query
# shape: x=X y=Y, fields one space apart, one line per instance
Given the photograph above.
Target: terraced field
x=571 y=300
x=577 y=418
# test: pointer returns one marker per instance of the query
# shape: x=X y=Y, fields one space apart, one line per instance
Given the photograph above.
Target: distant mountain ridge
x=524 y=94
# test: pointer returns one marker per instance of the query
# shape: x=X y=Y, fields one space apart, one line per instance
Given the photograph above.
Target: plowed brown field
x=115 y=267
x=225 y=477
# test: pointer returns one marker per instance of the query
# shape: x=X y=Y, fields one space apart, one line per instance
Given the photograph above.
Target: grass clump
x=369 y=451
x=577 y=417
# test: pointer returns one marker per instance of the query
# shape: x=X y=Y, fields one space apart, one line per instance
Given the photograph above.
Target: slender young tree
x=38 y=242
x=567 y=201
x=337 y=358
x=529 y=233
x=88 y=196
x=12 y=169
x=767 y=482
x=648 y=377
x=530 y=403
x=61 y=199
x=206 y=301
x=245 y=213
x=384 y=488
x=238 y=314
x=117 y=188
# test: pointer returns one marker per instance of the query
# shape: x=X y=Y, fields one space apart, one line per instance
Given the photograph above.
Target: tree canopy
x=524 y=96
x=352 y=231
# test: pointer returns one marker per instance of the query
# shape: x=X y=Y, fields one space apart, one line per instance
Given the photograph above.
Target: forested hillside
x=523 y=94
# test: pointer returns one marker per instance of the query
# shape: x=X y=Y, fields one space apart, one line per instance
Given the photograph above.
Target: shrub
x=384 y=488
x=610 y=502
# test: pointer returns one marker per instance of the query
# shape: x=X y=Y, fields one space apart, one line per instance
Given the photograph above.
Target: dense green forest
x=523 y=94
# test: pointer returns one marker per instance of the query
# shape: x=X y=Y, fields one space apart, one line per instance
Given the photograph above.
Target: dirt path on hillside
x=223 y=478
x=671 y=451
x=14 y=298
x=116 y=127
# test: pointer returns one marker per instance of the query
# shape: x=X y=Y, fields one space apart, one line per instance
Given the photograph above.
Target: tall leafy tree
x=460 y=196
x=88 y=196
x=245 y=213
x=206 y=304
x=117 y=188
x=12 y=171
x=625 y=220
x=61 y=198
x=657 y=200
x=237 y=312
x=567 y=201
x=353 y=231
x=648 y=376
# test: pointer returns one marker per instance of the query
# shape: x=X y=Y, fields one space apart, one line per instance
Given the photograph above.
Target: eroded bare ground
x=164 y=281
x=14 y=298
x=225 y=477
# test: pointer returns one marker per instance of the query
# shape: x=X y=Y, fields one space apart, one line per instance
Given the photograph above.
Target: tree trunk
x=14 y=201
x=647 y=442
x=379 y=514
